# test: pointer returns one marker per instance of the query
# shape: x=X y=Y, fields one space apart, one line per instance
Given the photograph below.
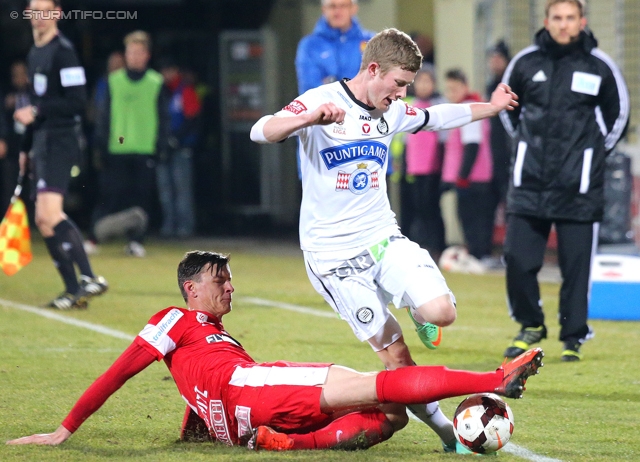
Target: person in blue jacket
x=334 y=49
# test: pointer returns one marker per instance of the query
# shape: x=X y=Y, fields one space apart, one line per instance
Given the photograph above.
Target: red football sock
x=358 y=430
x=425 y=384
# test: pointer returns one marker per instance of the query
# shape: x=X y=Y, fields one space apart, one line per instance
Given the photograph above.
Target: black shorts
x=55 y=152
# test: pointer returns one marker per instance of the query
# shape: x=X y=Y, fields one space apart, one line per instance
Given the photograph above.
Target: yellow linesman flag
x=15 y=238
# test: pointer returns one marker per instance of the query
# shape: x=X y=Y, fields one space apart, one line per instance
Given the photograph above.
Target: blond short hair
x=138 y=36
x=579 y=3
x=392 y=48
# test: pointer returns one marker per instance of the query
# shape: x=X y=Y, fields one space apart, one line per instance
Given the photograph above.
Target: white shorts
x=359 y=284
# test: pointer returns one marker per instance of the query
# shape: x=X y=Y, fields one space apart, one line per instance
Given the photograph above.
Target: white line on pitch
x=47 y=313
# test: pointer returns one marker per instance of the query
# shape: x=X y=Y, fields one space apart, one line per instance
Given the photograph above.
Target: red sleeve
x=133 y=360
x=190 y=102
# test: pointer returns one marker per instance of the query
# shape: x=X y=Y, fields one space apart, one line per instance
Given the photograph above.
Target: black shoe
x=67 y=301
x=524 y=340
x=93 y=286
x=571 y=351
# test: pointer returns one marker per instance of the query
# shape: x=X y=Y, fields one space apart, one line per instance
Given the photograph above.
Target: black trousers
x=476 y=213
x=128 y=180
x=524 y=249
x=427 y=227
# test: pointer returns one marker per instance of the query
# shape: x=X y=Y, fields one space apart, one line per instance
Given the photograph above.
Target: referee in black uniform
x=58 y=97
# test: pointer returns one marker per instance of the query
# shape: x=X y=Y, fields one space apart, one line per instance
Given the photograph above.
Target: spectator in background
x=174 y=172
x=17 y=98
x=498 y=58
x=467 y=166
x=575 y=109
x=423 y=152
x=425 y=44
x=131 y=131
x=334 y=49
x=115 y=61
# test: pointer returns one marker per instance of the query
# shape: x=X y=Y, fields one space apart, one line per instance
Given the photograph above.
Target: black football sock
x=70 y=236
x=63 y=263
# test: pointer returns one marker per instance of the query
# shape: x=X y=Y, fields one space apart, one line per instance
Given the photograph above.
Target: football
x=483 y=423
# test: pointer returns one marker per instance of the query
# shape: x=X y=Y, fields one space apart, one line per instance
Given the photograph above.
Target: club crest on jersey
x=383 y=126
x=358 y=151
x=358 y=182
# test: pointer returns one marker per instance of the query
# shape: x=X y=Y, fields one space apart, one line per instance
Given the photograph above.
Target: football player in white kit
x=355 y=255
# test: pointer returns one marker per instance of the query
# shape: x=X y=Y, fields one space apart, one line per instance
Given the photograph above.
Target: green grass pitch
x=585 y=411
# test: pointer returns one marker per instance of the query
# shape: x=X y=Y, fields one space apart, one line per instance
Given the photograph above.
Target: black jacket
x=57 y=86
x=574 y=108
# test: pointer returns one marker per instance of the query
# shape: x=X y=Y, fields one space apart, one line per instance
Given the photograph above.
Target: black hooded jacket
x=574 y=108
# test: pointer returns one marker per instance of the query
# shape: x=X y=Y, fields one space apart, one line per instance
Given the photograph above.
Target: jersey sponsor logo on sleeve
x=358 y=151
x=157 y=336
x=410 y=110
x=39 y=83
x=588 y=84
x=72 y=76
x=295 y=106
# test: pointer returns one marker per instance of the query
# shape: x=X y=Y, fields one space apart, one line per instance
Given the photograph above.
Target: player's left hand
x=48 y=439
x=503 y=98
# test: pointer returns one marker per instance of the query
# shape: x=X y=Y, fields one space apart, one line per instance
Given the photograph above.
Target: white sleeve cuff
x=447 y=116
x=257 y=131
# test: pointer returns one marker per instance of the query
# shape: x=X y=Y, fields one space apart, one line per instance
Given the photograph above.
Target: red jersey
x=201 y=357
x=216 y=377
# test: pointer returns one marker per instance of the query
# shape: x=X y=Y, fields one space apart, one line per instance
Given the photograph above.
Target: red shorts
x=283 y=395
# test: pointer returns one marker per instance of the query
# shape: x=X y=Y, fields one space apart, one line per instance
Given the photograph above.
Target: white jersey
x=344 y=189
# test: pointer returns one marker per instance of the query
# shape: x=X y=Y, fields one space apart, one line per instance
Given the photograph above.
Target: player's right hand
x=48 y=439
x=327 y=114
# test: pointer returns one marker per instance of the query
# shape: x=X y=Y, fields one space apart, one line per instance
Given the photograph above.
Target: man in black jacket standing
x=57 y=99
x=574 y=108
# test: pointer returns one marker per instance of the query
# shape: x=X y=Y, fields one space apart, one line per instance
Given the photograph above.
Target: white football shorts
x=360 y=283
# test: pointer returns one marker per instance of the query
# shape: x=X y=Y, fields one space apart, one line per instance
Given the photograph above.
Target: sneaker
x=93 y=286
x=571 y=351
x=90 y=247
x=456 y=447
x=517 y=371
x=524 y=340
x=135 y=249
x=270 y=440
x=67 y=301
x=429 y=334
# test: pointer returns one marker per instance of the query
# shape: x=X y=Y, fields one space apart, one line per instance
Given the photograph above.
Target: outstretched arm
x=272 y=129
x=501 y=98
x=447 y=116
x=133 y=360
